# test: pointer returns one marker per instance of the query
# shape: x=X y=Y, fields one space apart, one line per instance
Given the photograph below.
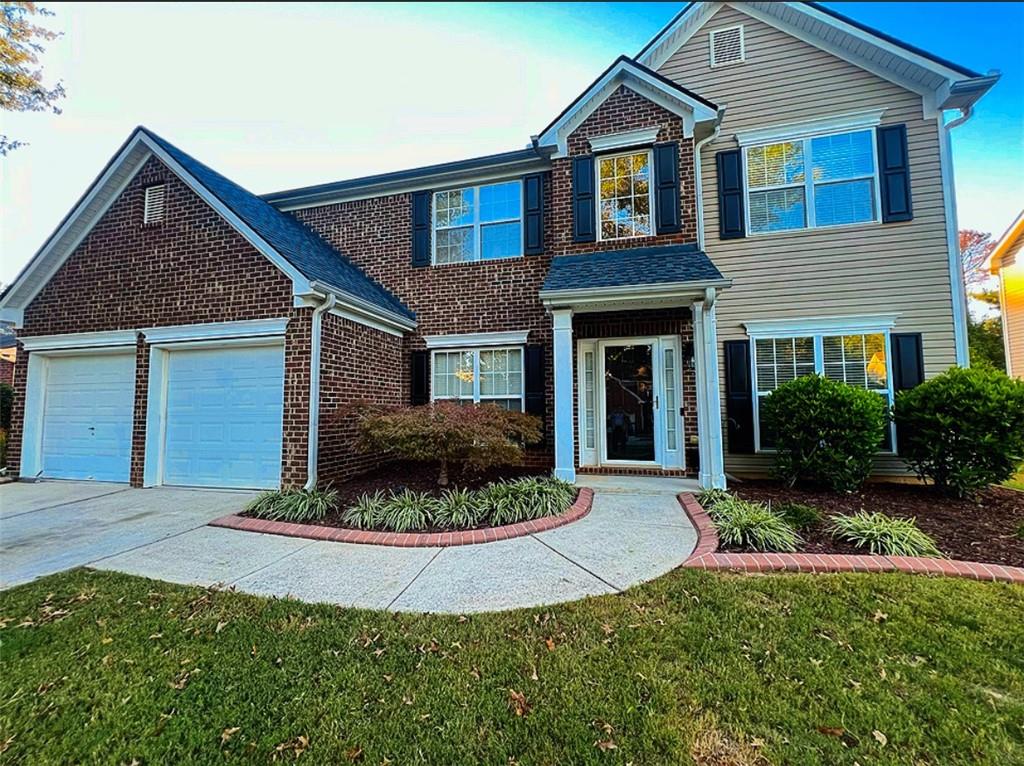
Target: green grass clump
x=753 y=525
x=798 y=515
x=458 y=509
x=510 y=502
x=407 y=511
x=294 y=505
x=709 y=498
x=367 y=512
x=885 y=535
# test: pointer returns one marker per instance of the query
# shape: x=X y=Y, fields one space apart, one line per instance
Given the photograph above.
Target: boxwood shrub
x=963 y=429
x=826 y=432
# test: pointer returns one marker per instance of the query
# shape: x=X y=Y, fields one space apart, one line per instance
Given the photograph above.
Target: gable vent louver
x=727 y=46
x=153 y=211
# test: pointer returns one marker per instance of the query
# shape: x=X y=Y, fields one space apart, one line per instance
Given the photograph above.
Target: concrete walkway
x=635 y=532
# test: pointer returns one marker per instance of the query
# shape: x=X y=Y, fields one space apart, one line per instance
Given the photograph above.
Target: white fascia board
x=299 y=281
x=668 y=41
x=358 y=310
x=636 y=79
x=477 y=339
x=1013 y=232
x=859 y=323
x=79 y=340
x=627 y=293
x=625 y=139
x=55 y=251
x=840 y=123
x=252 y=328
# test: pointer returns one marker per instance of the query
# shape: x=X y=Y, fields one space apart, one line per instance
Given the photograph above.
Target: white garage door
x=87 y=417
x=224 y=410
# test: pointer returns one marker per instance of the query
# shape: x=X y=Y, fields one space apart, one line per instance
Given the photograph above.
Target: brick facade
x=195 y=268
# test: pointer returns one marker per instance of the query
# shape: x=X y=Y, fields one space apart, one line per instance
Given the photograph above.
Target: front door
x=629 y=402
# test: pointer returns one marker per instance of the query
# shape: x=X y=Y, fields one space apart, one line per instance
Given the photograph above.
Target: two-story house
x=764 y=191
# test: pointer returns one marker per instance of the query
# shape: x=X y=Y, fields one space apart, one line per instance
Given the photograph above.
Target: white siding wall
x=860 y=269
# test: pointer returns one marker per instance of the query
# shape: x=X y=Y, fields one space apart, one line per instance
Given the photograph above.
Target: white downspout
x=313 y=438
x=956 y=272
x=698 y=183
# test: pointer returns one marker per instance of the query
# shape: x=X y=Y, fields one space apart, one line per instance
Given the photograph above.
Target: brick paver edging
x=579 y=509
x=706 y=556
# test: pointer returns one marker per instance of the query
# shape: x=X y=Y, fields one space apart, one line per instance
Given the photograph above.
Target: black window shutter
x=533 y=369
x=730 y=194
x=666 y=188
x=533 y=214
x=739 y=403
x=419 y=385
x=421 y=228
x=584 y=209
x=894 y=173
x=906 y=366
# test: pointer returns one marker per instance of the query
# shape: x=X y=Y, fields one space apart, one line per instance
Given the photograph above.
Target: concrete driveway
x=49 y=526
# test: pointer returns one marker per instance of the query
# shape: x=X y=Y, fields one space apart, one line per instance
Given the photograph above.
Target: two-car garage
x=214 y=411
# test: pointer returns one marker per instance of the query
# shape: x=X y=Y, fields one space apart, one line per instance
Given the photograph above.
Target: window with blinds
x=857 y=359
x=154 y=205
x=727 y=46
x=813 y=182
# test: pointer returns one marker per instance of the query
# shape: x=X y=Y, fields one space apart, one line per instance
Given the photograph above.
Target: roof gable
x=297 y=251
x=950 y=85
x=1013 y=233
x=692 y=107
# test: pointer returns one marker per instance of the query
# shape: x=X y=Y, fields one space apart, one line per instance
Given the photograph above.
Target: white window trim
x=650 y=192
x=248 y=328
x=477 y=224
x=469 y=341
x=479 y=398
x=83 y=340
x=711 y=46
x=808 y=184
x=816 y=330
x=624 y=140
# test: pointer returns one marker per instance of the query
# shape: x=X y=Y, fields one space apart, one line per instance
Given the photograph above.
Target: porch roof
x=642 y=267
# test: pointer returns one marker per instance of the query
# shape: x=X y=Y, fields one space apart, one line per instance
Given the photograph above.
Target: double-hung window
x=855 y=357
x=483 y=376
x=828 y=180
x=478 y=223
x=625 y=195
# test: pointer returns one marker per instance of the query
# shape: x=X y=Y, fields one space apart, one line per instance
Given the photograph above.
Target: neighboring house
x=8 y=353
x=1007 y=262
x=764 y=191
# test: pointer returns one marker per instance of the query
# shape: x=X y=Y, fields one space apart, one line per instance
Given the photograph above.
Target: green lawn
x=700 y=668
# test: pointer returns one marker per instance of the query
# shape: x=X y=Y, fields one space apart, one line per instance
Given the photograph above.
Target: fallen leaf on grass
x=517 y=701
x=880 y=617
x=604 y=745
x=880 y=738
x=220 y=627
x=842 y=734
x=550 y=644
x=354 y=754
x=228 y=733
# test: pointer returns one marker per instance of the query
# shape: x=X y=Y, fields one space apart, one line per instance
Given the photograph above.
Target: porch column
x=565 y=458
x=709 y=404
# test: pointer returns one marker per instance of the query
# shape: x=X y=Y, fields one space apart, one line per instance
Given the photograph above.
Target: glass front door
x=629 y=400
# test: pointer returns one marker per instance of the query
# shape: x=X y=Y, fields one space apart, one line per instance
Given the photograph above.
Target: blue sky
x=282 y=95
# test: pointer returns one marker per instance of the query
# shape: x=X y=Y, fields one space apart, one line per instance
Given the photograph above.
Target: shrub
x=885 y=535
x=798 y=515
x=509 y=502
x=963 y=429
x=753 y=525
x=3 y=449
x=449 y=434
x=407 y=510
x=367 y=511
x=709 y=498
x=6 y=403
x=459 y=509
x=294 y=505
x=826 y=432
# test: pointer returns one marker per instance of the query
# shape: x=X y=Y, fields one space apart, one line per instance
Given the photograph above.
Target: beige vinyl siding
x=857 y=269
x=1011 y=287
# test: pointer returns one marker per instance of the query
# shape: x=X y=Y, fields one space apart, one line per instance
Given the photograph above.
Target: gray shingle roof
x=667 y=264
x=299 y=245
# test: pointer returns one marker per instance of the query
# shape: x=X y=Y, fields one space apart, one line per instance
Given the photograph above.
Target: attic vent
x=727 y=46
x=154 y=208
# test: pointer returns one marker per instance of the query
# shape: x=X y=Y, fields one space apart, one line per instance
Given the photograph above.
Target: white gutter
x=313 y=439
x=698 y=184
x=958 y=290
x=359 y=306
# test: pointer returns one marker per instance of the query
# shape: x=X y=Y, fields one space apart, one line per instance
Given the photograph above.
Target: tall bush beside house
x=6 y=403
x=963 y=429
x=826 y=432
x=450 y=435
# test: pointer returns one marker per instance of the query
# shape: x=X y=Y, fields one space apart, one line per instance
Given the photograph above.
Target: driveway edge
x=706 y=556
x=580 y=508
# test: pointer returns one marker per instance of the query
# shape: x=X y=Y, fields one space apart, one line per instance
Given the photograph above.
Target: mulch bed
x=417 y=477
x=983 y=529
